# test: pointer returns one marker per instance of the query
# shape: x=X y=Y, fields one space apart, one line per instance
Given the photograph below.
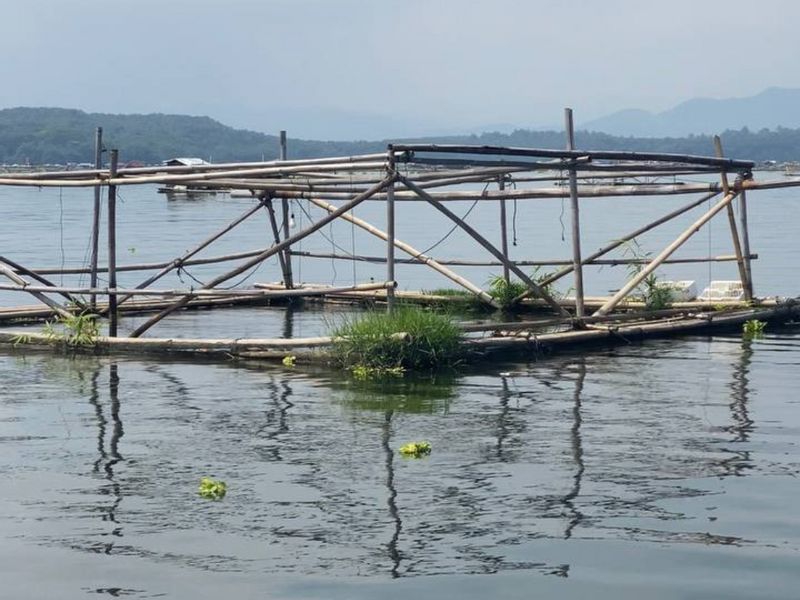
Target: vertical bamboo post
x=501 y=185
x=390 y=241
x=737 y=247
x=577 y=264
x=112 y=247
x=276 y=234
x=288 y=279
x=98 y=164
x=746 y=243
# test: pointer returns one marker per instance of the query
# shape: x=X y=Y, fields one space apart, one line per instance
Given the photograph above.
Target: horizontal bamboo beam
x=520 y=263
x=199 y=293
x=567 y=154
x=93 y=173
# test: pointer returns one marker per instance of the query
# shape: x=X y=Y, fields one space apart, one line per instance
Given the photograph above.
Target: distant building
x=185 y=162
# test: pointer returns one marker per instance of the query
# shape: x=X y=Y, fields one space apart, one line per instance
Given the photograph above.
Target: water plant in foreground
x=409 y=338
x=753 y=328
x=74 y=330
x=212 y=489
x=415 y=449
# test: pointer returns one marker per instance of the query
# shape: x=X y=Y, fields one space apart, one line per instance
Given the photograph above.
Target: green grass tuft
x=409 y=338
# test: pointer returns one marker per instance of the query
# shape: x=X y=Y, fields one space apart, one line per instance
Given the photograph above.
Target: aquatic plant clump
x=753 y=328
x=408 y=338
x=504 y=292
x=415 y=449
x=212 y=489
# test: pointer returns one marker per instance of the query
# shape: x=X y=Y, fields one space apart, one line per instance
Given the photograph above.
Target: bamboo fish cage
x=432 y=175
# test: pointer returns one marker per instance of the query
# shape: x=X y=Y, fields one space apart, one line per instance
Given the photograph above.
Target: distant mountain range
x=774 y=107
x=59 y=135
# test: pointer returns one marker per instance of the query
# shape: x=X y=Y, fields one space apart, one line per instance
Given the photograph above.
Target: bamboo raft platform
x=434 y=176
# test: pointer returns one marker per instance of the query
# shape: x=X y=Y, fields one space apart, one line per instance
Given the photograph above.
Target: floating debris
x=753 y=328
x=416 y=449
x=212 y=489
x=288 y=361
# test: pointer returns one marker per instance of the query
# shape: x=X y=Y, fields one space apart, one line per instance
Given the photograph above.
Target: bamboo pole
x=577 y=267
x=410 y=250
x=390 y=238
x=485 y=243
x=182 y=169
x=501 y=185
x=24 y=285
x=112 y=246
x=663 y=255
x=95 y=243
x=519 y=263
x=19 y=269
x=282 y=256
x=737 y=247
x=287 y=257
x=585 y=191
x=593 y=154
x=746 y=241
x=266 y=254
x=201 y=293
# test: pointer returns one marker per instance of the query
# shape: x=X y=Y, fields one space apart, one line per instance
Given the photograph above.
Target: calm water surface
x=667 y=469
x=661 y=470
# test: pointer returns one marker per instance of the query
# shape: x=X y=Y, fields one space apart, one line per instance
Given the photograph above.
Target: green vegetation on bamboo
x=408 y=338
x=74 y=330
x=652 y=291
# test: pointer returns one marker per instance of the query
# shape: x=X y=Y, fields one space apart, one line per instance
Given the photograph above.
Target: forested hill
x=57 y=135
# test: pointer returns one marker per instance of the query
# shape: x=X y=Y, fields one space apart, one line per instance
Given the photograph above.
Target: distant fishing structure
x=429 y=174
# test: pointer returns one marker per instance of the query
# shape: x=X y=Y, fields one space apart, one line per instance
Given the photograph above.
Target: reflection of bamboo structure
x=431 y=174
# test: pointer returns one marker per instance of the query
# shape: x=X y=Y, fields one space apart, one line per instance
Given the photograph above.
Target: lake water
x=667 y=469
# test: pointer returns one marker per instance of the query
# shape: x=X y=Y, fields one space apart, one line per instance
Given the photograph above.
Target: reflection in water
x=742 y=425
x=394 y=553
x=502 y=425
x=288 y=320
x=576 y=443
x=108 y=458
x=280 y=392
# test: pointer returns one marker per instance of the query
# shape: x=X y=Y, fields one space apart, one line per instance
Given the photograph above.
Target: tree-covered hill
x=58 y=135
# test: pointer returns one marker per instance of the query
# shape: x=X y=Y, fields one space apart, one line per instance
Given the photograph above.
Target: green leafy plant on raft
x=653 y=292
x=753 y=328
x=415 y=449
x=504 y=292
x=408 y=338
x=74 y=330
x=212 y=489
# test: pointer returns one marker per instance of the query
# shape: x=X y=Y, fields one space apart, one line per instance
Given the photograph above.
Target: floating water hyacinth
x=212 y=489
x=753 y=328
x=416 y=449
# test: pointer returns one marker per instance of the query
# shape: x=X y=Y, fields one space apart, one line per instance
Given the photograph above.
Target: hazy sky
x=326 y=68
